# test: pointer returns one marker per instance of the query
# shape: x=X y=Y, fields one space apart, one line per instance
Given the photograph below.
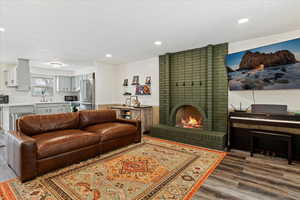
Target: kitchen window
x=42 y=86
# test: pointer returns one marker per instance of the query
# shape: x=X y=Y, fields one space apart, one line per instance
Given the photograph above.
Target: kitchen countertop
x=16 y=104
x=52 y=102
x=31 y=104
x=131 y=107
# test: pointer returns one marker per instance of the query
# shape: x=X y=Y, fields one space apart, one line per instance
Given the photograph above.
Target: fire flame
x=190 y=122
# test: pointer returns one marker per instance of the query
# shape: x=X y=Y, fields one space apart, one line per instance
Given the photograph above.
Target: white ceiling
x=80 y=32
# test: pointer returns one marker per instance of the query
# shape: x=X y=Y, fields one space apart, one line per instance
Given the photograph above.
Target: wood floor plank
x=264 y=187
x=240 y=176
x=225 y=191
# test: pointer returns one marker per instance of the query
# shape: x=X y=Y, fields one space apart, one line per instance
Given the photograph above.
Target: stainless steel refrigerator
x=87 y=92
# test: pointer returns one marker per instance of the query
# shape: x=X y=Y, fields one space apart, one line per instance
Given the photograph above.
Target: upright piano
x=242 y=124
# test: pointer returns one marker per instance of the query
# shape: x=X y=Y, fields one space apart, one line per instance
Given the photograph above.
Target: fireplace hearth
x=188 y=117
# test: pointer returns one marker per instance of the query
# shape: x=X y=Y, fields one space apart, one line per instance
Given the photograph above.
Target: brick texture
x=196 y=77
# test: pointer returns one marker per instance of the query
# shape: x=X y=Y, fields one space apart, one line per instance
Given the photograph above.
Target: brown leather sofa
x=46 y=142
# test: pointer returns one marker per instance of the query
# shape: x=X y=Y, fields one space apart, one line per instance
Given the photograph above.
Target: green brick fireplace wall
x=196 y=77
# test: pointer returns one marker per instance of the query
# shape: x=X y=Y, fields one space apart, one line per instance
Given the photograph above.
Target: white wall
x=143 y=68
x=50 y=72
x=106 y=78
x=85 y=70
x=289 y=97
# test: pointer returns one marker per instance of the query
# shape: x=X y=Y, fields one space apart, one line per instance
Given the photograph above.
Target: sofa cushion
x=91 y=117
x=36 y=124
x=112 y=130
x=57 y=142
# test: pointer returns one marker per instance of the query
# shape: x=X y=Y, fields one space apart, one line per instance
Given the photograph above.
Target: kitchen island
x=9 y=113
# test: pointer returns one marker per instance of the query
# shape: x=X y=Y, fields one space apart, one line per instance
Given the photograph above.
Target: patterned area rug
x=153 y=169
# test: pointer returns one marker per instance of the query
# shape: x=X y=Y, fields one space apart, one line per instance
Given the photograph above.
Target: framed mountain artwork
x=271 y=67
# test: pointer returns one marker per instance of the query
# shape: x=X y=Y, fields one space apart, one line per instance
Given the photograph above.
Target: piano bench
x=272 y=136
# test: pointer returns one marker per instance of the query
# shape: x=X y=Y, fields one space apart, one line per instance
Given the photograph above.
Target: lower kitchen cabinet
x=52 y=108
x=10 y=113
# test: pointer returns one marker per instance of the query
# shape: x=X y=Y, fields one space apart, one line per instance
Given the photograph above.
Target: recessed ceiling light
x=158 y=43
x=2 y=29
x=108 y=55
x=243 y=20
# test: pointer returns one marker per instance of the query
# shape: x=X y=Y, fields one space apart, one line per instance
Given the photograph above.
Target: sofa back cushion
x=36 y=124
x=91 y=117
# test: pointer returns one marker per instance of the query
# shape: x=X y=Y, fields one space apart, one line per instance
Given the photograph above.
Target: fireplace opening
x=188 y=117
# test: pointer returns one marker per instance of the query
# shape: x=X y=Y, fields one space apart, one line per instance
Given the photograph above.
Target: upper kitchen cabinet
x=18 y=76
x=75 y=83
x=67 y=84
x=11 y=76
x=2 y=78
x=63 y=84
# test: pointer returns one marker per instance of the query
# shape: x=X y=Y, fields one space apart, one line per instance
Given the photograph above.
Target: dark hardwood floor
x=238 y=177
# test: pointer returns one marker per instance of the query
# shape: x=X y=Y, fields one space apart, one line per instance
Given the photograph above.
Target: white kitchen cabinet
x=61 y=108
x=11 y=113
x=59 y=83
x=75 y=83
x=43 y=110
x=18 y=76
x=23 y=75
x=67 y=84
x=11 y=77
x=52 y=108
x=1 y=119
x=2 y=79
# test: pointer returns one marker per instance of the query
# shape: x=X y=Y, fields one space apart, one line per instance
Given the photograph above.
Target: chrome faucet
x=44 y=98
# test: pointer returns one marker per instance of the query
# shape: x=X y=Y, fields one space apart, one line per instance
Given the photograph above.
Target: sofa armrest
x=22 y=155
x=137 y=123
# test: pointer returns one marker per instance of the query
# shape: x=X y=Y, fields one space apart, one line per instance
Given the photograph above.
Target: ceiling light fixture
x=158 y=43
x=2 y=29
x=108 y=55
x=56 y=64
x=243 y=20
